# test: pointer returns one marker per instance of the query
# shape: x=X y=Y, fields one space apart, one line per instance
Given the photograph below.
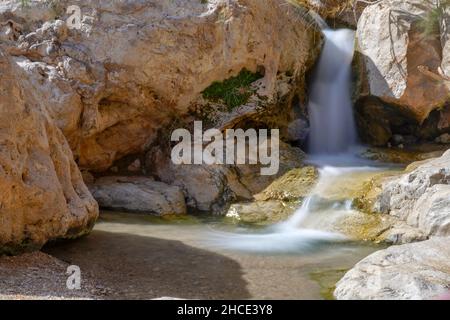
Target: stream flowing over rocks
x=421 y=270
x=87 y=113
x=135 y=70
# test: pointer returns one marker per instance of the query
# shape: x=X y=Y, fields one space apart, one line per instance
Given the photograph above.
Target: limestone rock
x=410 y=271
x=278 y=200
x=250 y=175
x=395 y=49
x=431 y=212
x=362 y=226
x=134 y=67
x=420 y=197
x=293 y=185
x=399 y=156
x=445 y=42
x=206 y=187
x=43 y=195
x=262 y=212
x=138 y=194
x=214 y=187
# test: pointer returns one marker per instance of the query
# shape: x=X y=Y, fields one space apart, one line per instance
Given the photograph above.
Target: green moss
x=234 y=91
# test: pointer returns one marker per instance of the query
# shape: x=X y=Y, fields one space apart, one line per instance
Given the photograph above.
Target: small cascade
x=333 y=129
x=332 y=139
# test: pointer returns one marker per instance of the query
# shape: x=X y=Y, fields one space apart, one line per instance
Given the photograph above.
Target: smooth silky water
x=209 y=257
x=333 y=149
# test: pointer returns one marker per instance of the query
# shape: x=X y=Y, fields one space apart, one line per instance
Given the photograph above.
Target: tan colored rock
x=394 y=49
x=402 y=156
x=250 y=175
x=292 y=186
x=376 y=228
x=43 y=194
x=262 y=212
x=214 y=187
x=135 y=66
x=138 y=194
x=279 y=200
x=445 y=42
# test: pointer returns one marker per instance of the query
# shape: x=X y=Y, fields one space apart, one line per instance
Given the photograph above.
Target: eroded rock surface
x=278 y=200
x=393 y=47
x=420 y=197
x=214 y=187
x=138 y=194
x=134 y=67
x=43 y=195
x=403 y=54
x=117 y=84
x=414 y=271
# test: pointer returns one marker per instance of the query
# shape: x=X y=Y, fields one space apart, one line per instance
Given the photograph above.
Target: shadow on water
x=141 y=267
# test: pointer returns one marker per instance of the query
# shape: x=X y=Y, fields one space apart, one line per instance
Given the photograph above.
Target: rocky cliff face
x=85 y=89
x=134 y=67
x=402 y=48
x=43 y=195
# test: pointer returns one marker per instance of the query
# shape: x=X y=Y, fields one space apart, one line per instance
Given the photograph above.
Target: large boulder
x=43 y=196
x=213 y=187
x=404 y=63
x=420 y=197
x=278 y=200
x=134 y=66
x=138 y=194
x=261 y=212
x=414 y=271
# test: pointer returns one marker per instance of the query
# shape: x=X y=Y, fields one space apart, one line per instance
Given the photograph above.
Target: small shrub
x=234 y=91
x=431 y=23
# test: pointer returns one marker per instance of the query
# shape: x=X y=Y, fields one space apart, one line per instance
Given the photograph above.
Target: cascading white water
x=333 y=128
x=332 y=136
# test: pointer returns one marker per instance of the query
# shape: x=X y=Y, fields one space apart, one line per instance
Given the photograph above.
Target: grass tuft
x=234 y=91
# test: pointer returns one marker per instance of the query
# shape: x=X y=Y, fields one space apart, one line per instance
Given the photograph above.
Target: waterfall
x=333 y=128
x=332 y=135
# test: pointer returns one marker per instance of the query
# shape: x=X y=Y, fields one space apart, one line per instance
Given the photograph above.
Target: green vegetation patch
x=234 y=91
x=431 y=23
